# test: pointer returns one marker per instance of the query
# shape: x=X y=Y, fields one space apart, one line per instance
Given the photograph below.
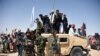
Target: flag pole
x=32 y=16
x=53 y=7
x=52 y=16
x=6 y=30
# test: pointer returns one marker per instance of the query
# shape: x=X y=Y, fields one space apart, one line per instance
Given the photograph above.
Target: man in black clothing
x=57 y=21
x=68 y=28
x=65 y=23
x=46 y=23
x=83 y=29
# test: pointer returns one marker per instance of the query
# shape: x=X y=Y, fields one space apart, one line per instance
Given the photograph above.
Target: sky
x=18 y=13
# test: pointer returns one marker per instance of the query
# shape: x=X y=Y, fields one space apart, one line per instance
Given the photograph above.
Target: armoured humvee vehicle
x=69 y=44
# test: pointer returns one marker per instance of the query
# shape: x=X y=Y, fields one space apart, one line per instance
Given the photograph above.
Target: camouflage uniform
x=40 y=42
x=39 y=26
x=5 y=44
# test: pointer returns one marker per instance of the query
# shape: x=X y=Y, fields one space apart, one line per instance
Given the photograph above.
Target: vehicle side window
x=63 y=39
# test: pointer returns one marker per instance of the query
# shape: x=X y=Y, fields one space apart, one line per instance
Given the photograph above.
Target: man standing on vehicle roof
x=65 y=23
x=56 y=19
x=46 y=23
x=39 y=25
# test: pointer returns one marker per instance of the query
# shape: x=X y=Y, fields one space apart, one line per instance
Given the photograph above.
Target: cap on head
x=69 y=25
x=79 y=29
x=28 y=29
x=37 y=18
x=46 y=15
x=73 y=25
x=40 y=15
x=64 y=15
x=57 y=10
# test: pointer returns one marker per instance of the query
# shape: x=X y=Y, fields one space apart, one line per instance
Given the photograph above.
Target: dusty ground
x=92 y=53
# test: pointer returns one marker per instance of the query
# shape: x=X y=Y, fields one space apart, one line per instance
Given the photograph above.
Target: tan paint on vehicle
x=66 y=47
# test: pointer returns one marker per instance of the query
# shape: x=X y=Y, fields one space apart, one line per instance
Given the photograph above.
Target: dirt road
x=92 y=53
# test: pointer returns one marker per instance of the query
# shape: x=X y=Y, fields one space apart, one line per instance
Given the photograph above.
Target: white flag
x=32 y=17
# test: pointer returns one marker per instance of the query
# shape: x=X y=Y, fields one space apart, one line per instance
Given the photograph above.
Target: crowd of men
x=93 y=38
x=19 y=41
x=7 y=42
x=54 y=22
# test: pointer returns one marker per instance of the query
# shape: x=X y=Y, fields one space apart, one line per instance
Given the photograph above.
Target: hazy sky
x=17 y=13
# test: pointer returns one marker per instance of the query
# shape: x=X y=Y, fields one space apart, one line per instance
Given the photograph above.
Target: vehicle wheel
x=76 y=51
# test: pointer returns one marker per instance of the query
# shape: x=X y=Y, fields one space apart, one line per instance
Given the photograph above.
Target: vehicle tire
x=76 y=51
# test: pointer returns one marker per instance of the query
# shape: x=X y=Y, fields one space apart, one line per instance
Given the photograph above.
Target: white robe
x=71 y=31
